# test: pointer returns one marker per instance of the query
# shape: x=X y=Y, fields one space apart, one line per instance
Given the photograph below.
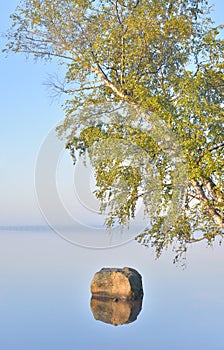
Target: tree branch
x=45 y=53
x=103 y=77
x=216 y=147
x=211 y=187
x=211 y=209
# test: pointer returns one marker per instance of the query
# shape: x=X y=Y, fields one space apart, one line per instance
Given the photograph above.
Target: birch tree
x=162 y=59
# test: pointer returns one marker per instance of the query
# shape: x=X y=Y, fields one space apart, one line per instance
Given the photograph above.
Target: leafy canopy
x=146 y=74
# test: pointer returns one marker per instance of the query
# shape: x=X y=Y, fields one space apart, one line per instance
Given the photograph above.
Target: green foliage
x=147 y=76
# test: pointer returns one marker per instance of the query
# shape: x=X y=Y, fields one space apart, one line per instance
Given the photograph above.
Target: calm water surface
x=45 y=296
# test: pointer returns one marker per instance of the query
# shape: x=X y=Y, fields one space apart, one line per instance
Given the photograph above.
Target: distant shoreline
x=25 y=228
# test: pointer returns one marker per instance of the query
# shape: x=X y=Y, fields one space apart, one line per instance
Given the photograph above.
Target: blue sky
x=28 y=113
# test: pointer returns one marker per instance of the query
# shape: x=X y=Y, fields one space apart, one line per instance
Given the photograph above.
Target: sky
x=28 y=113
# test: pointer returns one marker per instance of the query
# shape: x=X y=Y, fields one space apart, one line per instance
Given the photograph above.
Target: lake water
x=45 y=296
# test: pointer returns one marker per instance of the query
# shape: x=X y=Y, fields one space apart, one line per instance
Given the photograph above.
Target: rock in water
x=117 y=284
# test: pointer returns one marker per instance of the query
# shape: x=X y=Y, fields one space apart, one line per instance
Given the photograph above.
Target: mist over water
x=45 y=296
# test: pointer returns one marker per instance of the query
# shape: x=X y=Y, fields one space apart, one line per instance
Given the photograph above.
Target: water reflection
x=115 y=311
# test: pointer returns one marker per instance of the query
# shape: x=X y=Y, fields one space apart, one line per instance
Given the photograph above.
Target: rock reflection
x=115 y=311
